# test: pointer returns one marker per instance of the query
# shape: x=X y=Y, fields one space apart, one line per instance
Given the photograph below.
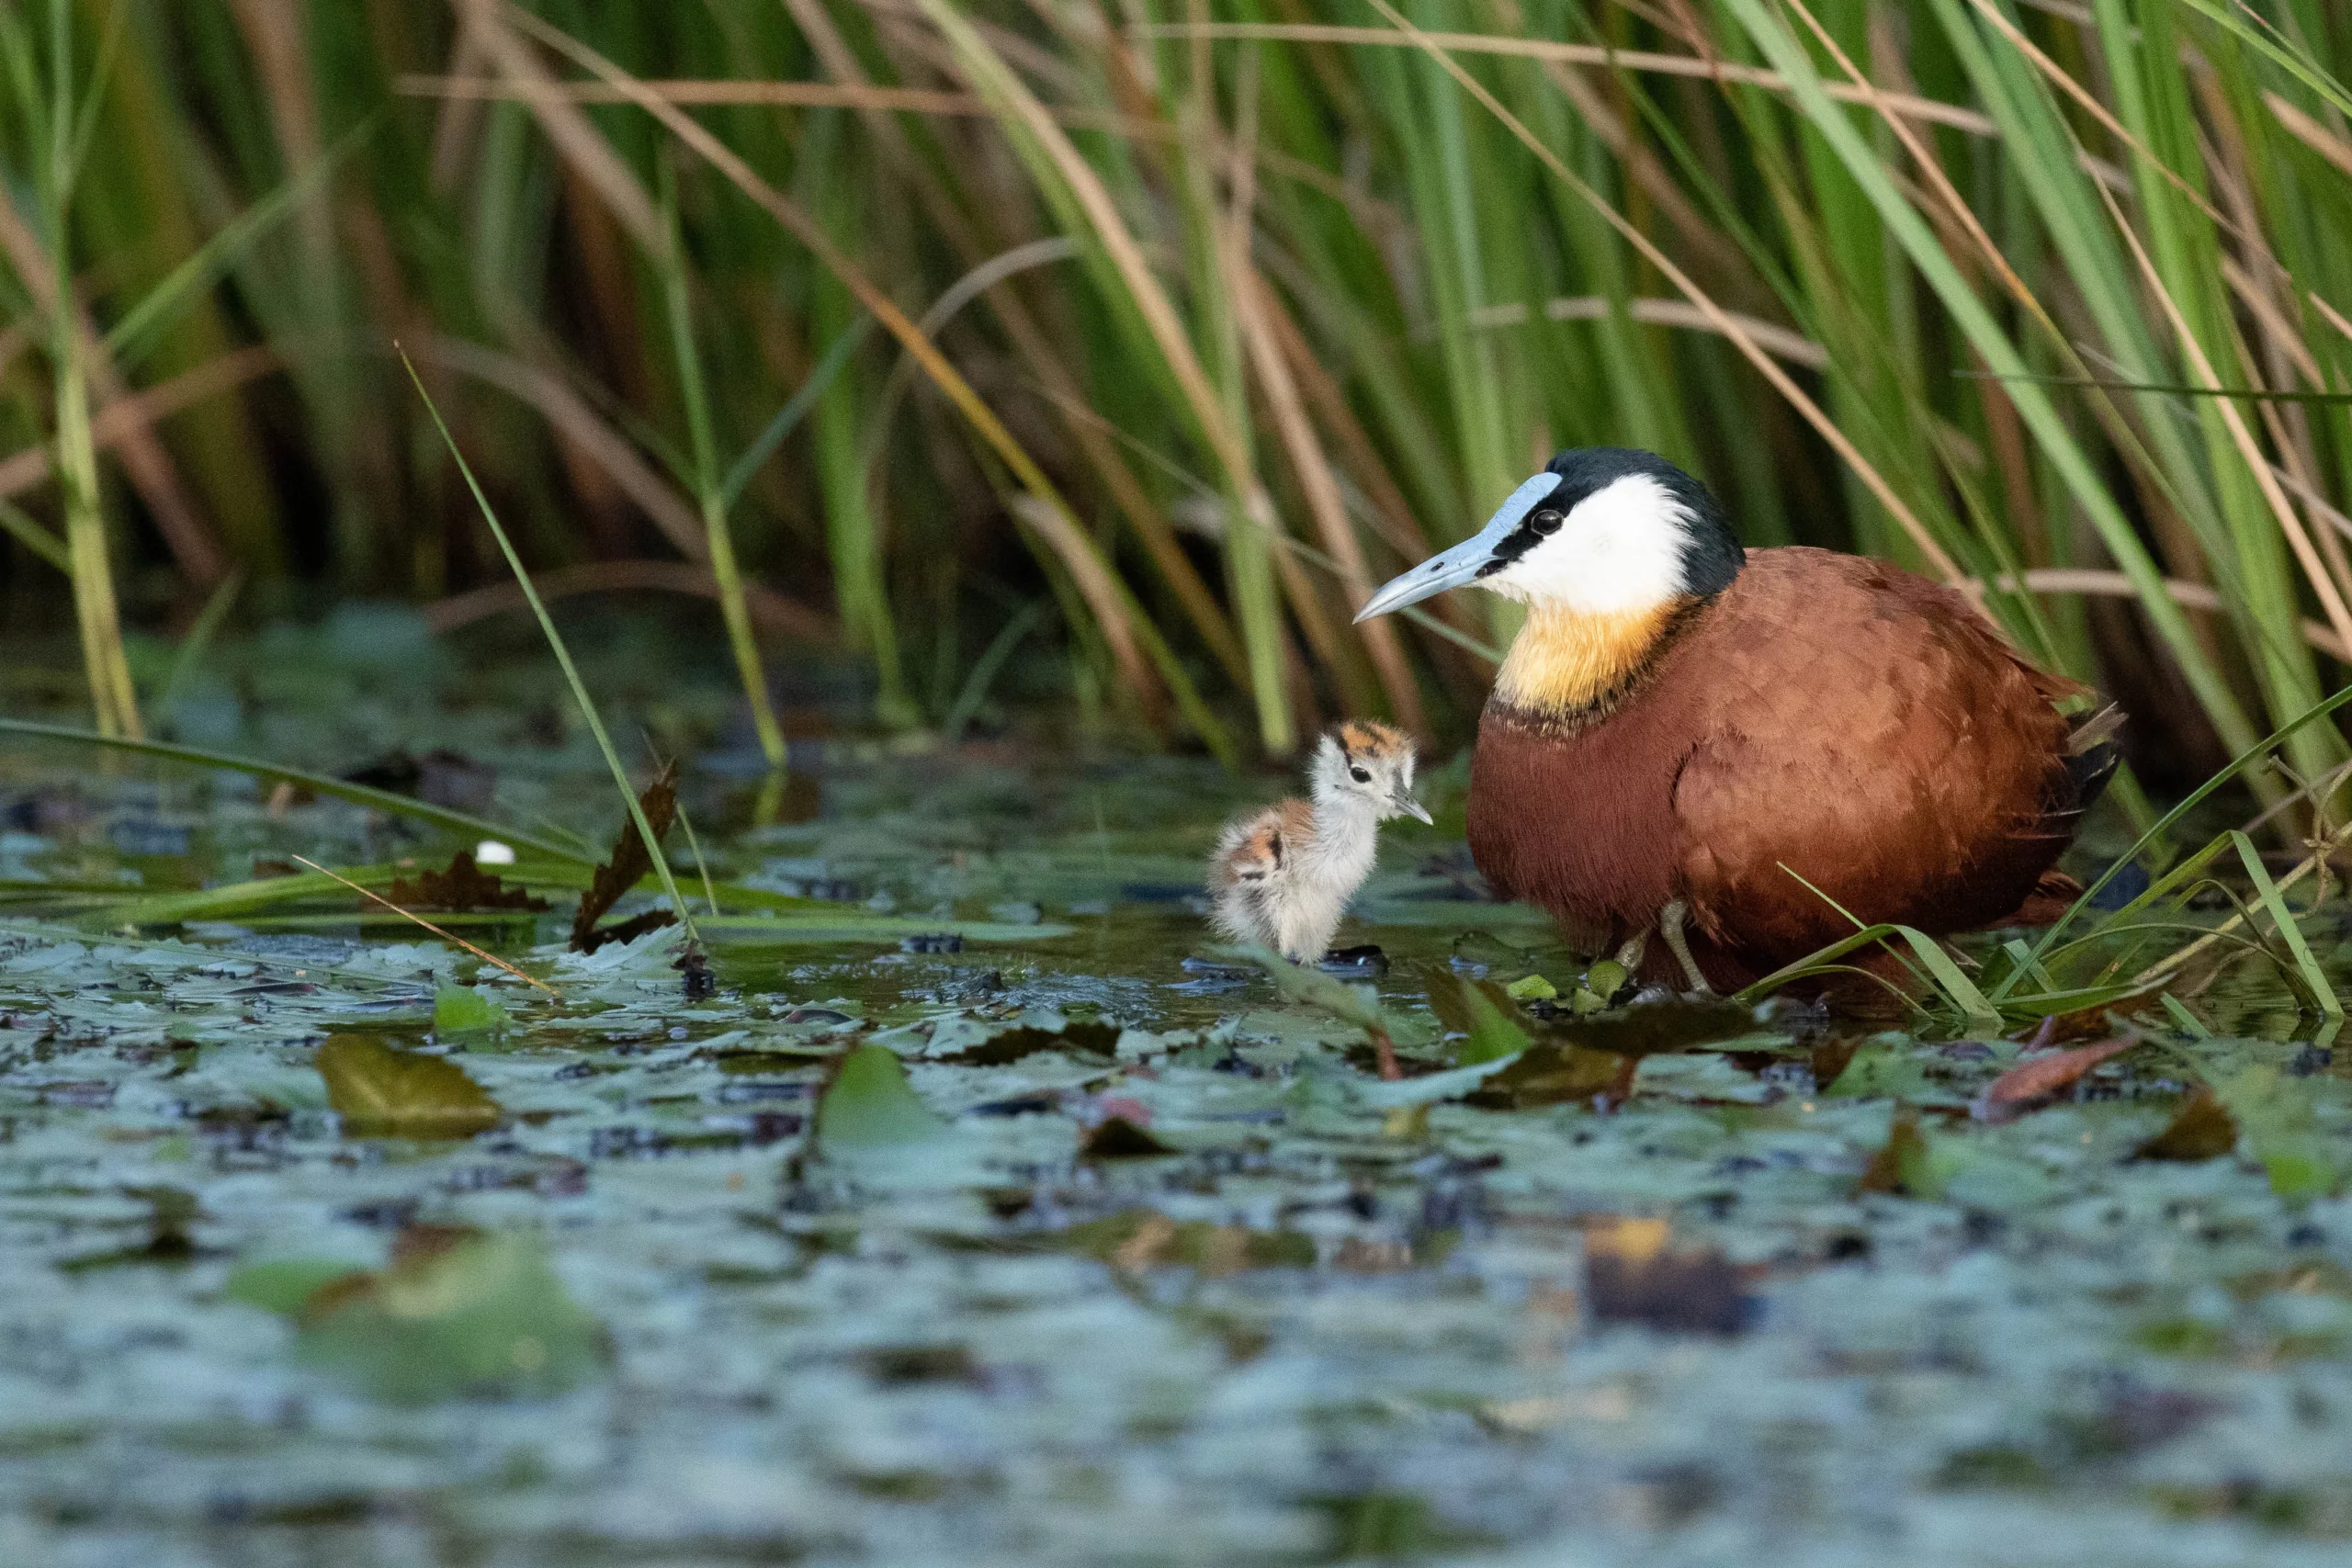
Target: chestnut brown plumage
x=1683 y=728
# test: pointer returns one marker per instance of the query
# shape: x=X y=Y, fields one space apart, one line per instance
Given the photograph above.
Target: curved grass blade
x=198 y=640
x=26 y=531
x=2195 y=798
x=2266 y=891
x=2266 y=40
x=1818 y=962
x=317 y=783
x=2177 y=389
x=788 y=418
x=144 y=324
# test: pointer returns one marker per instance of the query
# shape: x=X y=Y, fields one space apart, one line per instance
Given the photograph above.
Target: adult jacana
x=1686 y=733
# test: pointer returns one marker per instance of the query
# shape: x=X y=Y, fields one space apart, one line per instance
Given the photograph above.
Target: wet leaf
x=1118 y=1138
x=1632 y=1276
x=1479 y=951
x=1553 y=1074
x=1358 y=1005
x=455 y=1315
x=2201 y=1129
x=2037 y=1081
x=629 y=931
x=463 y=889
x=1654 y=1027
x=630 y=862
x=1531 y=988
x=2281 y=1132
x=282 y=1285
x=869 y=1106
x=384 y=1092
x=1603 y=981
x=1480 y=1010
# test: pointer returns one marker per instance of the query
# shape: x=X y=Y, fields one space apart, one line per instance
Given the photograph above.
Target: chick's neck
x=1347 y=832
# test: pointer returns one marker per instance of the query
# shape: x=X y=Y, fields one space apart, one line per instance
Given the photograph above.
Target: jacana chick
x=1282 y=878
x=1749 y=750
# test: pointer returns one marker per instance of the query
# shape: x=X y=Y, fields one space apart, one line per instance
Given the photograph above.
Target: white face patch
x=1621 y=550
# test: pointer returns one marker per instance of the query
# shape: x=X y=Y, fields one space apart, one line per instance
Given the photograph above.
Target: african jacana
x=1687 y=732
x=1282 y=877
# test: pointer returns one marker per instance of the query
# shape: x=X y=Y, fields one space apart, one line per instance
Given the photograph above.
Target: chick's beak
x=1464 y=561
x=1411 y=807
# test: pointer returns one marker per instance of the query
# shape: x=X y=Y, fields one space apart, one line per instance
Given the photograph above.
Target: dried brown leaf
x=2034 y=1083
x=629 y=864
x=464 y=888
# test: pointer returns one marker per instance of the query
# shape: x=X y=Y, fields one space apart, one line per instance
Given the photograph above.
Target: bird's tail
x=2052 y=895
x=2092 y=755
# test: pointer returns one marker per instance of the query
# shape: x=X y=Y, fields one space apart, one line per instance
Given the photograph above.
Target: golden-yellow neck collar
x=1566 y=664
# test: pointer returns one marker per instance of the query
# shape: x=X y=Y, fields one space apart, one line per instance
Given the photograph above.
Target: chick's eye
x=1361 y=775
x=1547 y=521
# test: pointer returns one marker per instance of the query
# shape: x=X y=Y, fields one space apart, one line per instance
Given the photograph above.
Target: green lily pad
x=455 y=1315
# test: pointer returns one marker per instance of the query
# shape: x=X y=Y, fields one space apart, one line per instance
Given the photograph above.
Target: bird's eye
x=1547 y=521
x=1361 y=775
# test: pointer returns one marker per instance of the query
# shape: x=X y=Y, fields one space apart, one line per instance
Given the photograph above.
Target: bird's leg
x=1669 y=926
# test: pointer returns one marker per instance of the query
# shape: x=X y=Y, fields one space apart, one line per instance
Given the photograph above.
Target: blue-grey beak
x=1464 y=561
x=1411 y=807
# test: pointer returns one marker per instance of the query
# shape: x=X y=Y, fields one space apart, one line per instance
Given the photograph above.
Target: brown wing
x=1870 y=734
x=1250 y=849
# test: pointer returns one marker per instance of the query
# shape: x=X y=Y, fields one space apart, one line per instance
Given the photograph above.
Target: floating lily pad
x=465 y=1009
x=455 y=1315
x=868 y=1106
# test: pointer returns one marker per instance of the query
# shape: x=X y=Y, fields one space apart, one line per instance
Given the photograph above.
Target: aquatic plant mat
x=964 y=1222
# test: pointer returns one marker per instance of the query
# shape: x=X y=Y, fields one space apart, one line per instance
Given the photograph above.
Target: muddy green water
x=1316 y=1328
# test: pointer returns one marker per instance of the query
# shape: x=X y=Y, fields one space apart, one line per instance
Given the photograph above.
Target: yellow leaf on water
x=2201 y=1129
x=384 y=1092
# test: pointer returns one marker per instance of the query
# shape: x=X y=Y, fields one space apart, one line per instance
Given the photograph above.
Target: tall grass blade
x=562 y=657
x=719 y=540
x=201 y=634
x=2266 y=891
